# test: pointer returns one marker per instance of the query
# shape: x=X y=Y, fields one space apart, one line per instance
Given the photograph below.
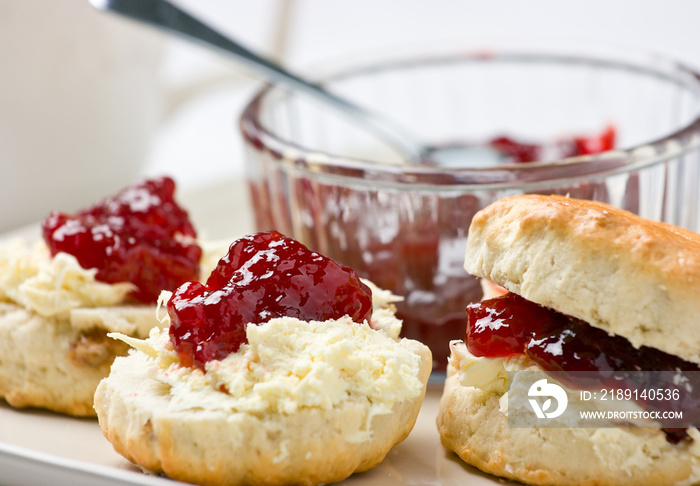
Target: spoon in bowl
x=166 y=16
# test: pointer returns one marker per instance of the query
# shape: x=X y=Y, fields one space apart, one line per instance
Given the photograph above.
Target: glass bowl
x=318 y=177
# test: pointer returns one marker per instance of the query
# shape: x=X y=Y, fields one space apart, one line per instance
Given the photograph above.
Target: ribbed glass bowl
x=343 y=191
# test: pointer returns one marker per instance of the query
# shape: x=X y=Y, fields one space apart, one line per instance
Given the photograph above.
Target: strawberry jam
x=504 y=325
x=510 y=324
x=140 y=236
x=518 y=151
x=263 y=276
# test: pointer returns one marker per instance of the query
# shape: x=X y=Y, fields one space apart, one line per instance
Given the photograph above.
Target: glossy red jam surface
x=511 y=324
x=263 y=276
x=505 y=325
x=140 y=235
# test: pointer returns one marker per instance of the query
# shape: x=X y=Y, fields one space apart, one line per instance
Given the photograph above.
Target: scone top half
x=608 y=267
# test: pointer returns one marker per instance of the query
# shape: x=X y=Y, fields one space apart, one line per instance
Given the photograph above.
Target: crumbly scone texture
x=56 y=363
x=627 y=275
x=471 y=425
x=209 y=447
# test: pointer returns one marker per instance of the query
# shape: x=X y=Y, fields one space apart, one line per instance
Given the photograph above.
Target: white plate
x=38 y=447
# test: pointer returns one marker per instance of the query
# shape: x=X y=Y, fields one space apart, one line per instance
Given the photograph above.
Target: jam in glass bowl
x=592 y=122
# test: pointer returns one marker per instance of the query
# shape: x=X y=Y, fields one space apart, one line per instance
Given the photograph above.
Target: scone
x=284 y=368
x=588 y=288
x=95 y=272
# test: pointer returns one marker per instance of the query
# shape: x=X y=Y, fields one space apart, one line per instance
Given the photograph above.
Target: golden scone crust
x=207 y=447
x=57 y=363
x=618 y=272
x=471 y=424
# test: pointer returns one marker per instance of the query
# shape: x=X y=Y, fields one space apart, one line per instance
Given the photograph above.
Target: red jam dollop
x=140 y=236
x=263 y=276
x=510 y=324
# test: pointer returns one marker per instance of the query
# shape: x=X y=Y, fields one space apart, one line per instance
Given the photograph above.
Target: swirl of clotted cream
x=384 y=312
x=51 y=287
x=288 y=364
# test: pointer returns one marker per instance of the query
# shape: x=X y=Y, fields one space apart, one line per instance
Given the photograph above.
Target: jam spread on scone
x=96 y=271
x=141 y=236
x=263 y=276
x=510 y=324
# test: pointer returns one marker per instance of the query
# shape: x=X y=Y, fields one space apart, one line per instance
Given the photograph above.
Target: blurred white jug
x=80 y=98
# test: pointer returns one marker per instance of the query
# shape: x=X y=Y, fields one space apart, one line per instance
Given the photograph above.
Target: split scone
x=284 y=368
x=95 y=272
x=588 y=288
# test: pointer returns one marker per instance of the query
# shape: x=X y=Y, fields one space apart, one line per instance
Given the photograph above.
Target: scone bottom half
x=282 y=368
x=574 y=286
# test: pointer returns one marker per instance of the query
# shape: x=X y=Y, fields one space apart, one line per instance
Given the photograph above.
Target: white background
x=200 y=141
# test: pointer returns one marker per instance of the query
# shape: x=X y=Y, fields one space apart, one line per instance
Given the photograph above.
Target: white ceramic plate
x=38 y=447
